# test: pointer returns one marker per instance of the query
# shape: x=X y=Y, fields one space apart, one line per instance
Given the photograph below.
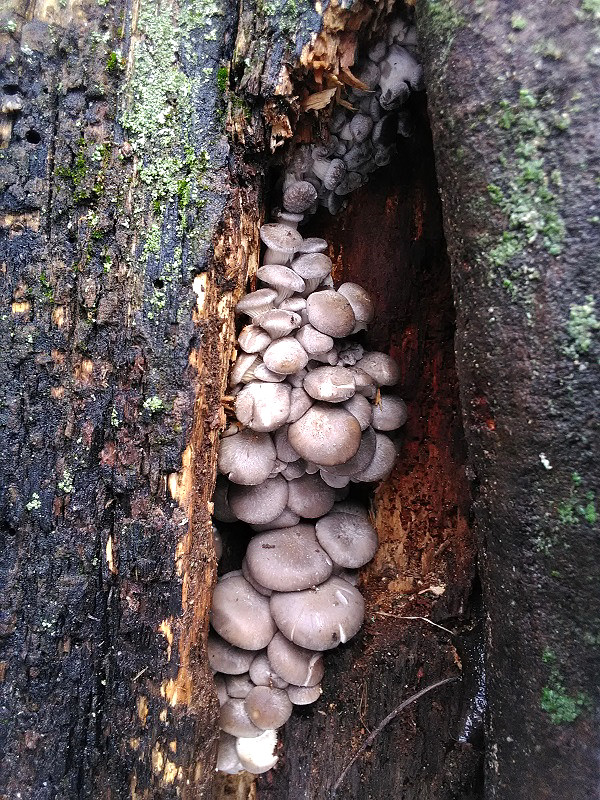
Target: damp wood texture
x=135 y=141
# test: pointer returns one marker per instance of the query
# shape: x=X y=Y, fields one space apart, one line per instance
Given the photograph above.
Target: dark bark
x=513 y=101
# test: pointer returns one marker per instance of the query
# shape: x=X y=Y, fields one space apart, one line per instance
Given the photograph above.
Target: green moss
x=115 y=63
x=561 y=706
x=35 y=503
x=579 y=506
x=153 y=404
x=222 y=79
x=47 y=290
x=591 y=8
x=442 y=19
x=518 y=22
x=581 y=327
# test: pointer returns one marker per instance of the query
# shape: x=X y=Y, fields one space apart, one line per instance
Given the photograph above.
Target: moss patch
x=583 y=324
x=561 y=706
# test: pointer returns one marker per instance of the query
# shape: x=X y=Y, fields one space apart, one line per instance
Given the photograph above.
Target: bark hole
x=390 y=240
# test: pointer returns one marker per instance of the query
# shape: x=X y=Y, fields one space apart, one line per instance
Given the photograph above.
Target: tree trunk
x=128 y=230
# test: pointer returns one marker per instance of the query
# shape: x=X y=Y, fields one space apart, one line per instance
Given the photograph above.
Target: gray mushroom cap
x=247 y=457
x=238 y=685
x=381 y=367
x=289 y=218
x=313 y=245
x=224 y=657
x=263 y=674
x=365 y=384
x=227 y=757
x=300 y=402
x=281 y=241
x=299 y=196
x=256 y=303
x=329 y=312
x=304 y=695
x=359 y=407
x=287 y=519
x=289 y=559
x=335 y=481
x=330 y=384
x=361 y=125
x=285 y=451
x=325 y=435
x=234 y=719
x=240 y=615
x=382 y=463
x=350 y=540
x=284 y=280
x=242 y=370
x=253 y=339
x=279 y=322
x=295 y=664
x=293 y=470
x=267 y=707
x=361 y=460
x=261 y=503
x=253 y=582
x=295 y=303
x=313 y=341
x=361 y=303
x=310 y=497
x=285 y=356
x=263 y=406
x=257 y=755
x=390 y=413
x=221 y=688
x=319 y=618
x=330 y=172
x=312 y=268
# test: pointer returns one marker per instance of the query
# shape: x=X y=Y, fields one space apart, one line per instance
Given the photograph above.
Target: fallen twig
x=371 y=738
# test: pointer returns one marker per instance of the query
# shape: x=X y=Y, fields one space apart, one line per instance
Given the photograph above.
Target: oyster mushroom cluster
x=363 y=139
x=313 y=412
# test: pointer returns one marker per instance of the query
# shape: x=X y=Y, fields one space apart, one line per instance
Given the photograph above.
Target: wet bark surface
x=514 y=117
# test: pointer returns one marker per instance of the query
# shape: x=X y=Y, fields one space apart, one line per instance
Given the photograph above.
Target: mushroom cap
x=382 y=463
x=253 y=582
x=325 y=435
x=299 y=196
x=253 y=339
x=268 y=707
x=224 y=657
x=240 y=615
x=304 y=695
x=361 y=125
x=310 y=497
x=247 y=457
x=300 y=402
x=287 y=519
x=263 y=406
x=295 y=303
x=359 y=407
x=261 y=503
x=289 y=559
x=365 y=384
x=227 y=757
x=313 y=341
x=312 y=268
x=319 y=618
x=390 y=413
x=350 y=540
x=295 y=664
x=361 y=303
x=330 y=172
x=293 y=470
x=234 y=719
x=285 y=356
x=313 y=245
x=263 y=674
x=329 y=312
x=278 y=322
x=257 y=755
x=261 y=373
x=280 y=237
x=256 y=303
x=221 y=688
x=335 y=481
x=285 y=451
x=242 y=370
x=381 y=367
x=330 y=384
x=361 y=460
x=284 y=280
x=238 y=685
x=288 y=218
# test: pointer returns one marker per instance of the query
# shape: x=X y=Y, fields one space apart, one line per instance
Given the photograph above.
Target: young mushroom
x=281 y=241
x=289 y=559
x=241 y=616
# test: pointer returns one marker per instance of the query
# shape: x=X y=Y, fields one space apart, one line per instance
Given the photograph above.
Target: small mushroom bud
x=330 y=172
x=361 y=303
x=300 y=402
x=278 y=322
x=241 y=615
x=304 y=695
x=281 y=241
x=310 y=497
x=263 y=674
x=312 y=268
x=359 y=407
x=390 y=413
x=268 y=707
x=289 y=219
x=253 y=339
x=313 y=245
x=285 y=356
x=227 y=757
x=299 y=197
x=238 y=685
x=349 y=540
x=361 y=125
x=224 y=657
